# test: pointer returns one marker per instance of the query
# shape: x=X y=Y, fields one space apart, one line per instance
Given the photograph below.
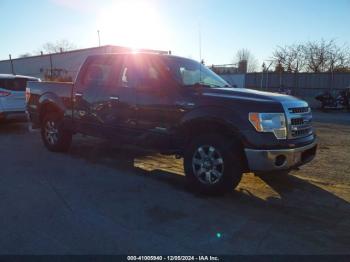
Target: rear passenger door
x=91 y=98
x=102 y=106
x=120 y=116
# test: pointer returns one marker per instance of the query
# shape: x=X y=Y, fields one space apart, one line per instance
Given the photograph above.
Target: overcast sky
x=225 y=25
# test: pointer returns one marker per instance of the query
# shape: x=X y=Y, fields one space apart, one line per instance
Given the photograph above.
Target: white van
x=12 y=95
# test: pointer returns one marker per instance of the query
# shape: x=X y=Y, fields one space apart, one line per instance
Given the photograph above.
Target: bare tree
x=245 y=55
x=289 y=58
x=339 y=58
x=316 y=55
x=57 y=47
x=326 y=56
x=313 y=56
x=24 y=55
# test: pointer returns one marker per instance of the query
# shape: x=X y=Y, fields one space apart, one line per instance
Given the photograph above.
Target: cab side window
x=142 y=72
x=150 y=70
x=130 y=73
x=101 y=73
x=125 y=76
x=98 y=74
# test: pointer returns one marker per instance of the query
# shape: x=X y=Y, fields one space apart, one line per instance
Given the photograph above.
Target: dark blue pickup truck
x=175 y=105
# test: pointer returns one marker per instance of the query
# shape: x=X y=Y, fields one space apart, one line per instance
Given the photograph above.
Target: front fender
x=224 y=116
x=226 y=121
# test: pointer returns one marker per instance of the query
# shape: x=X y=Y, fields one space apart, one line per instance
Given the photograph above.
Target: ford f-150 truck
x=176 y=105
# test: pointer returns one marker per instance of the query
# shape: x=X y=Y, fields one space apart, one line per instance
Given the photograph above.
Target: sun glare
x=135 y=24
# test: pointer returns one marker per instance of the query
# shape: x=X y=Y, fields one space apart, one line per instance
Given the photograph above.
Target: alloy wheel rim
x=51 y=132
x=208 y=164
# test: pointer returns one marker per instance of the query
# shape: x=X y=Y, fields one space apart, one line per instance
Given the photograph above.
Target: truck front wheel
x=54 y=136
x=213 y=164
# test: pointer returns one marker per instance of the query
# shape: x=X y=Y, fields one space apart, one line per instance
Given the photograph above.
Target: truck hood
x=248 y=94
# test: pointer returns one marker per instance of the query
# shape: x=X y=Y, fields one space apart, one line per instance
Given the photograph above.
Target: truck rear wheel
x=212 y=165
x=54 y=136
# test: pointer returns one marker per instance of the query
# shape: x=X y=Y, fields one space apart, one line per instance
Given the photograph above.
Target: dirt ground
x=330 y=169
x=98 y=199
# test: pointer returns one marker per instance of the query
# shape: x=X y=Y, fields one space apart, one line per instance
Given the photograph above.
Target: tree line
x=62 y=45
x=312 y=56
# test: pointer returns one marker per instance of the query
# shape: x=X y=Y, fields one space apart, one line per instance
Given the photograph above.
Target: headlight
x=270 y=122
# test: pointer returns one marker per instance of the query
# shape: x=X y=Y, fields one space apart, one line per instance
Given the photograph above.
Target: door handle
x=114 y=98
x=184 y=104
x=78 y=94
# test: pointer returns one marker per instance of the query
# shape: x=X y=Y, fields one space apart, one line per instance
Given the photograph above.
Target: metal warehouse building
x=58 y=66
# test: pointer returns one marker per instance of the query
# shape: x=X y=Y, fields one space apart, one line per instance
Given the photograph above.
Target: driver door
x=157 y=96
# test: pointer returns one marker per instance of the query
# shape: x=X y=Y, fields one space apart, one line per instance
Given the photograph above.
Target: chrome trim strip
x=235 y=96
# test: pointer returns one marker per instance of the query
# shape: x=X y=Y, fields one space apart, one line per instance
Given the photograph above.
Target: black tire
x=61 y=138
x=231 y=169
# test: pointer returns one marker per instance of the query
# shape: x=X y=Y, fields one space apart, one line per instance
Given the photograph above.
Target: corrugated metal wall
x=235 y=79
x=303 y=85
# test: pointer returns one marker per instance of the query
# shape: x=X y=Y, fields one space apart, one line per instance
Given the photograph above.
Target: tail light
x=4 y=93
x=27 y=94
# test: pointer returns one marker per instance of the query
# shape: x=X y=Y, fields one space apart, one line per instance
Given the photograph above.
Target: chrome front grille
x=300 y=122
x=302 y=132
x=299 y=119
x=299 y=110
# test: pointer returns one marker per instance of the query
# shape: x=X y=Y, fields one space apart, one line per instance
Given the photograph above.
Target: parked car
x=12 y=95
x=176 y=105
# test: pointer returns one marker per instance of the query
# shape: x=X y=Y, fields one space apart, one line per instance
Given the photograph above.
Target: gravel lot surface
x=99 y=199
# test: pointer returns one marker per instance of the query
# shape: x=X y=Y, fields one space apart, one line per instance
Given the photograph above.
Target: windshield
x=189 y=73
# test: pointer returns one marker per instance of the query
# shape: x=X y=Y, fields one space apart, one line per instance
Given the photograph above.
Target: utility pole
x=267 y=73
x=262 y=75
x=99 y=39
x=12 y=69
x=51 y=68
x=200 y=42
x=200 y=51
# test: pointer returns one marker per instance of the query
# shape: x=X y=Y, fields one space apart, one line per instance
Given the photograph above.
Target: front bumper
x=280 y=159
